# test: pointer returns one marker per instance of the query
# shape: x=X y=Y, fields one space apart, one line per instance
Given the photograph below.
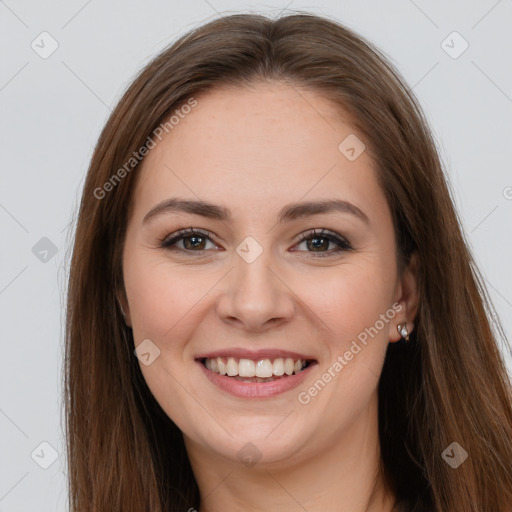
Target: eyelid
x=323 y=232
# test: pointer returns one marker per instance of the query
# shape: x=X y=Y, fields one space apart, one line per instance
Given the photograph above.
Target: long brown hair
x=448 y=384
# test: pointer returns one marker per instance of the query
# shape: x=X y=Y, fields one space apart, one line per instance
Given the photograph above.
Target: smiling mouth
x=261 y=370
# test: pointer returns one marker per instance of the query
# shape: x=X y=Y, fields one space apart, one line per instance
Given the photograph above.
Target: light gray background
x=52 y=111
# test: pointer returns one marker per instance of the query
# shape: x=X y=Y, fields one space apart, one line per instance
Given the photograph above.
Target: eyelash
x=343 y=244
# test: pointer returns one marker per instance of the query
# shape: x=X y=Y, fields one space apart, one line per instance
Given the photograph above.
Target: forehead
x=253 y=147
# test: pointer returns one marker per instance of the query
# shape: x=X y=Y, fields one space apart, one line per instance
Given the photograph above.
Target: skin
x=254 y=150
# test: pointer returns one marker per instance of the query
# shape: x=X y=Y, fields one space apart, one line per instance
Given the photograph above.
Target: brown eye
x=319 y=242
x=192 y=241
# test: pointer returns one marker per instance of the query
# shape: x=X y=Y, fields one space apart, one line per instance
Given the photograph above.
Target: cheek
x=156 y=303
x=166 y=305
x=355 y=309
x=163 y=298
x=347 y=299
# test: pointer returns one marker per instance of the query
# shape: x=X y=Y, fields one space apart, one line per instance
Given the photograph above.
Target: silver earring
x=402 y=329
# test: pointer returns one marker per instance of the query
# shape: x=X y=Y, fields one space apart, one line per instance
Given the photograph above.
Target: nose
x=254 y=297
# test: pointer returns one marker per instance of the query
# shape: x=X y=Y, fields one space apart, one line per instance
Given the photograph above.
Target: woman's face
x=267 y=161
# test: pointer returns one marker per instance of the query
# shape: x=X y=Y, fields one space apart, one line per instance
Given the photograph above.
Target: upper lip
x=255 y=355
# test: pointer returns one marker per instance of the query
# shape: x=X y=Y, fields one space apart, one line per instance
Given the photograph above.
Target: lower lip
x=256 y=389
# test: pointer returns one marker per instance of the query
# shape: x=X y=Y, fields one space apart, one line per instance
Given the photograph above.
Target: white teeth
x=288 y=366
x=263 y=368
x=232 y=367
x=221 y=365
x=278 y=367
x=246 y=368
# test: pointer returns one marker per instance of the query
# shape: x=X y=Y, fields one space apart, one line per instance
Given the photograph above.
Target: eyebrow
x=288 y=213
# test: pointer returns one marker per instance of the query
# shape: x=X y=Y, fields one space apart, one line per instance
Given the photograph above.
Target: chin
x=256 y=441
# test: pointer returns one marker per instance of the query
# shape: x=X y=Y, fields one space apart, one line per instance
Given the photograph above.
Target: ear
x=407 y=296
x=124 y=307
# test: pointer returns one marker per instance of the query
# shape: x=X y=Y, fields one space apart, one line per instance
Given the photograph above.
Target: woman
x=271 y=303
